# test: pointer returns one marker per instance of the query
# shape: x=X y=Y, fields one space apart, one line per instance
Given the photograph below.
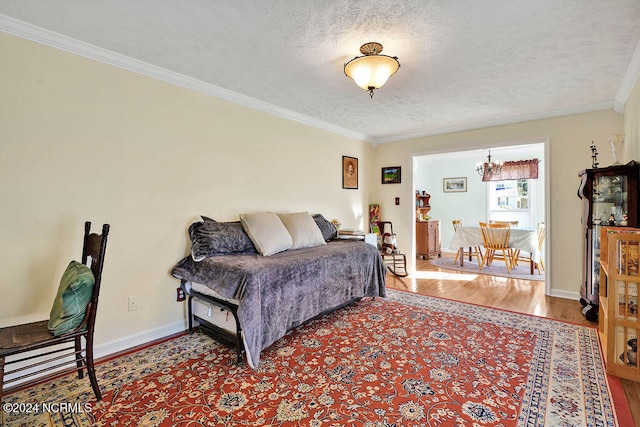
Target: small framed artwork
x=454 y=185
x=391 y=175
x=374 y=217
x=349 y=172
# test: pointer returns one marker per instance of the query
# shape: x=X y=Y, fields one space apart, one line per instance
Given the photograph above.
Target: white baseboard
x=130 y=341
x=565 y=294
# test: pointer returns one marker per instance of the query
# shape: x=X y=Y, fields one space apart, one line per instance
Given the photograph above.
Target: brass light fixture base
x=371 y=48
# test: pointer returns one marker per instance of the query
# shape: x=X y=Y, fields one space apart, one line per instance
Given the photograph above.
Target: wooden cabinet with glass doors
x=610 y=198
x=619 y=323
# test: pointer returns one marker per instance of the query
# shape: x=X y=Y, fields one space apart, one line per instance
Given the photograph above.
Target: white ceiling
x=464 y=64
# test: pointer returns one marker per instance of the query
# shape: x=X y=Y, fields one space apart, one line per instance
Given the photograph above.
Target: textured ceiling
x=464 y=64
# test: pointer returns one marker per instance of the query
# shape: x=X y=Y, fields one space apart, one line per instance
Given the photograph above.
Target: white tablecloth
x=525 y=239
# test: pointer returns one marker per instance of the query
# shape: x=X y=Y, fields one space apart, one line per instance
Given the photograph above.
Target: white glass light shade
x=372 y=71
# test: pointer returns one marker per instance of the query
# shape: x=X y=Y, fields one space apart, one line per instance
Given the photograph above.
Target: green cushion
x=74 y=293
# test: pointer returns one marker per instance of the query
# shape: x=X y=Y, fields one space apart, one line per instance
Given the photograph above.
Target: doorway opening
x=522 y=201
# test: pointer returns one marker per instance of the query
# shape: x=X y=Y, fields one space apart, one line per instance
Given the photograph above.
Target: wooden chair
x=395 y=262
x=512 y=223
x=19 y=339
x=541 y=233
x=475 y=250
x=496 y=238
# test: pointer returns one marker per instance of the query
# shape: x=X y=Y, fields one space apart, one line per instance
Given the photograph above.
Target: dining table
x=523 y=239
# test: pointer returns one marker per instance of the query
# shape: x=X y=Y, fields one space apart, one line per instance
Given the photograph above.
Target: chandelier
x=488 y=167
x=372 y=70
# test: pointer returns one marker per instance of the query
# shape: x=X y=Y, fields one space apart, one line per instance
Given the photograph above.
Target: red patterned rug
x=406 y=360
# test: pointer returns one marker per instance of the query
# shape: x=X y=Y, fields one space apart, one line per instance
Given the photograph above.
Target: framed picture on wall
x=374 y=217
x=454 y=185
x=349 y=172
x=391 y=175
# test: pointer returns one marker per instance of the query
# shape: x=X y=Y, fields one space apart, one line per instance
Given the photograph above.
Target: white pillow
x=267 y=232
x=303 y=229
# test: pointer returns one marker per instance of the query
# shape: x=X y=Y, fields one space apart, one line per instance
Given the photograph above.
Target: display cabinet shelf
x=619 y=322
x=422 y=206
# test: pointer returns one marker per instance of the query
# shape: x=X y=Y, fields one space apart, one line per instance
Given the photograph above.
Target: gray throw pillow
x=328 y=230
x=210 y=238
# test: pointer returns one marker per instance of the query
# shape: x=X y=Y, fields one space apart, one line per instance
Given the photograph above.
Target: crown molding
x=36 y=34
x=631 y=77
x=589 y=108
x=49 y=38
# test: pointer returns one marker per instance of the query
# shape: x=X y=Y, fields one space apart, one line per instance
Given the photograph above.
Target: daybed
x=250 y=279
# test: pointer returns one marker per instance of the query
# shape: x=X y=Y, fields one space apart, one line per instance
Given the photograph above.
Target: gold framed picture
x=349 y=172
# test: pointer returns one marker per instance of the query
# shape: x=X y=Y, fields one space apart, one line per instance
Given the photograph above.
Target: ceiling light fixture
x=489 y=167
x=372 y=70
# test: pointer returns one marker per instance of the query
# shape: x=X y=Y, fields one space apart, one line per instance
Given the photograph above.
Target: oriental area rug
x=404 y=360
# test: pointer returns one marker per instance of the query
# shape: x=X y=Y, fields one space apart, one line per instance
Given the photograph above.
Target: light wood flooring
x=510 y=294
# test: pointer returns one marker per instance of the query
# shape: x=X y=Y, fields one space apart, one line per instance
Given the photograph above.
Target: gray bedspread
x=281 y=291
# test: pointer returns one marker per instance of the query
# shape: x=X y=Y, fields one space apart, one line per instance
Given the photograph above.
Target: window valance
x=520 y=169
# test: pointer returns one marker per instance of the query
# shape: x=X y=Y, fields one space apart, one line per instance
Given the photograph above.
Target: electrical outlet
x=133 y=303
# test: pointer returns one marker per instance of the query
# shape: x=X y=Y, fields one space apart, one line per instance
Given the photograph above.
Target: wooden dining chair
x=473 y=250
x=511 y=223
x=496 y=239
x=23 y=340
x=518 y=256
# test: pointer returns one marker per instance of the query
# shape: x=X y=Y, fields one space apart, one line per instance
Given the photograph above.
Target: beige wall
x=568 y=138
x=81 y=140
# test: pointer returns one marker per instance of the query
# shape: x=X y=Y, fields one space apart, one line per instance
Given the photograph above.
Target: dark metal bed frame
x=215 y=331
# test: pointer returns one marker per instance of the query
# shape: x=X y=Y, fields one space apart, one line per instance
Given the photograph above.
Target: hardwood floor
x=509 y=294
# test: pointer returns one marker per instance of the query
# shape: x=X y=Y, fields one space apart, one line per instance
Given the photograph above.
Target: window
x=509 y=195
